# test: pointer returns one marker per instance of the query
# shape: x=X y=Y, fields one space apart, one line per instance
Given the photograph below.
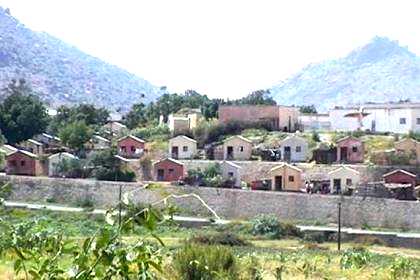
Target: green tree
x=307 y=109
x=75 y=135
x=87 y=113
x=258 y=97
x=22 y=114
x=136 y=117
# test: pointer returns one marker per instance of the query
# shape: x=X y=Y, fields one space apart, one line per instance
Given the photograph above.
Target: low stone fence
x=228 y=203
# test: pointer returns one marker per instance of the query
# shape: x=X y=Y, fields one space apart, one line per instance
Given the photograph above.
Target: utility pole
x=119 y=206
x=339 y=226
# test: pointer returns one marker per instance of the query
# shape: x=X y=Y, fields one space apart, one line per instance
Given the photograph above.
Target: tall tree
x=136 y=117
x=75 y=135
x=22 y=114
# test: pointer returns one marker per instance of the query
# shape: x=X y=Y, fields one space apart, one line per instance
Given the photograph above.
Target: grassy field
x=255 y=256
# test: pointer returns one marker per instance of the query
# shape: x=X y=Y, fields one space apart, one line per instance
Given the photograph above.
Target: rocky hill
x=380 y=71
x=62 y=74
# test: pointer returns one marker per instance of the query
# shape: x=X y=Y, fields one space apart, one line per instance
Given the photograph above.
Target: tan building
x=184 y=121
x=182 y=147
x=409 y=147
x=286 y=177
x=278 y=117
x=231 y=171
x=342 y=178
x=237 y=148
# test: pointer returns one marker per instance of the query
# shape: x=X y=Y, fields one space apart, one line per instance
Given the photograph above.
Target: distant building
x=116 y=128
x=286 y=177
x=97 y=143
x=343 y=178
x=168 y=170
x=232 y=172
x=237 y=148
x=294 y=149
x=184 y=121
x=23 y=163
x=350 y=150
x=278 y=117
x=401 y=117
x=315 y=122
x=409 y=147
x=33 y=146
x=131 y=146
x=400 y=177
x=182 y=147
x=55 y=159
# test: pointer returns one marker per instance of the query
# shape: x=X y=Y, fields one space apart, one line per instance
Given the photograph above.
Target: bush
x=105 y=174
x=222 y=238
x=193 y=262
x=271 y=227
x=153 y=132
x=355 y=258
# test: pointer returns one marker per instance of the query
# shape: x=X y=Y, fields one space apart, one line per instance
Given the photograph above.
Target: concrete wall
x=228 y=203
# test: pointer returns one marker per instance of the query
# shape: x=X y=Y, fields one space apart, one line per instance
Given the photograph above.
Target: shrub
x=318 y=237
x=85 y=202
x=401 y=268
x=153 y=132
x=205 y=262
x=271 y=227
x=222 y=238
x=355 y=258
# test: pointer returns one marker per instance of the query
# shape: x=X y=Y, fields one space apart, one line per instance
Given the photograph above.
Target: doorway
x=229 y=152
x=343 y=154
x=278 y=183
x=287 y=153
x=337 y=185
x=175 y=152
x=161 y=175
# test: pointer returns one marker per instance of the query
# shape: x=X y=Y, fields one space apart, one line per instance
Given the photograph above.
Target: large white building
x=401 y=117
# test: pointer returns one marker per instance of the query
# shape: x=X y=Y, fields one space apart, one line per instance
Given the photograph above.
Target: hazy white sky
x=223 y=48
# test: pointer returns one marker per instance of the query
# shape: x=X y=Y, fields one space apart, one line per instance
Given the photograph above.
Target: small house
x=33 y=146
x=115 y=128
x=294 y=149
x=286 y=177
x=343 y=178
x=237 y=148
x=182 y=147
x=23 y=163
x=98 y=143
x=231 y=172
x=168 y=170
x=350 y=150
x=400 y=176
x=55 y=159
x=131 y=146
x=48 y=140
x=410 y=147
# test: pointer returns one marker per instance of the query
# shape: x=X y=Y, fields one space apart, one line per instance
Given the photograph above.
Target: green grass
x=295 y=258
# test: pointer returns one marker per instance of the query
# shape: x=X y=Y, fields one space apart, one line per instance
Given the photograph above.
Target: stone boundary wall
x=253 y=170
x=228 y=203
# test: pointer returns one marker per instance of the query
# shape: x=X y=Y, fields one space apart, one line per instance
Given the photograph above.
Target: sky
x=222 y=48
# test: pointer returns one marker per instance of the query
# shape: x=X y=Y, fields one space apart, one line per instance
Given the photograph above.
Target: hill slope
x=62 y=74
x=380 y=71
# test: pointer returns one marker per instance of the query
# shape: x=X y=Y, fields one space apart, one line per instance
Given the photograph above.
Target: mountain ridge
x=379 y=71
x=62 y=74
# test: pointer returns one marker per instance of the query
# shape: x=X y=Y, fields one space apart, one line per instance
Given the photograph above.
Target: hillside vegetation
x=62 y=74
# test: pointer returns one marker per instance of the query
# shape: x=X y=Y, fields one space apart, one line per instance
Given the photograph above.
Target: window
x=402 y=120
x=349 y=182
x=171 y=170
x=185 y=149
x=22 y=163
x=418 y=121
x=241 y=148
x=291 y=178
x=230 y=174
x=354 y=149
x=123 y=149
x=133 y=149
x=298 y=149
